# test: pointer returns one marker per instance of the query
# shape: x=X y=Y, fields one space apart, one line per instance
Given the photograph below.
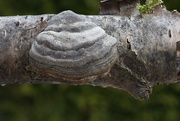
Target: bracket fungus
x=73 y=48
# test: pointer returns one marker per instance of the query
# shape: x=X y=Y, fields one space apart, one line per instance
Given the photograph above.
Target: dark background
x=81 y=103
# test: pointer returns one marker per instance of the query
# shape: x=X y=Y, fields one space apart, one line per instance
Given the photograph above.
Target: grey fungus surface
x=73 y=48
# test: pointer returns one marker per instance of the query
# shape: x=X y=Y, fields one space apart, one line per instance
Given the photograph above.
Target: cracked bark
x=146 y=46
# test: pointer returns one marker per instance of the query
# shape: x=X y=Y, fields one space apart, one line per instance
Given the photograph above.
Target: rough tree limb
x=146 y=51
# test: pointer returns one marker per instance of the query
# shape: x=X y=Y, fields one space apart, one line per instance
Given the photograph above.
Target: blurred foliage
x=81 y=103
x=148 y=7
x=20 y=7
x=170 y=4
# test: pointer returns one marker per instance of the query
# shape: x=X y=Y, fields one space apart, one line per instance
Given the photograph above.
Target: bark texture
x=146 y=51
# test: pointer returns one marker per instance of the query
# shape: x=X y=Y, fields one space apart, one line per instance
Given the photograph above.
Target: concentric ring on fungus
x=73 y=48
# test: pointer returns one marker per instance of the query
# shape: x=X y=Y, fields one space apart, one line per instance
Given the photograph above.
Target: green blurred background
x=81 y=103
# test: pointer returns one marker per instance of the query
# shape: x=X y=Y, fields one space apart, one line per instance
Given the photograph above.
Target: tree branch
x=146 y=47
